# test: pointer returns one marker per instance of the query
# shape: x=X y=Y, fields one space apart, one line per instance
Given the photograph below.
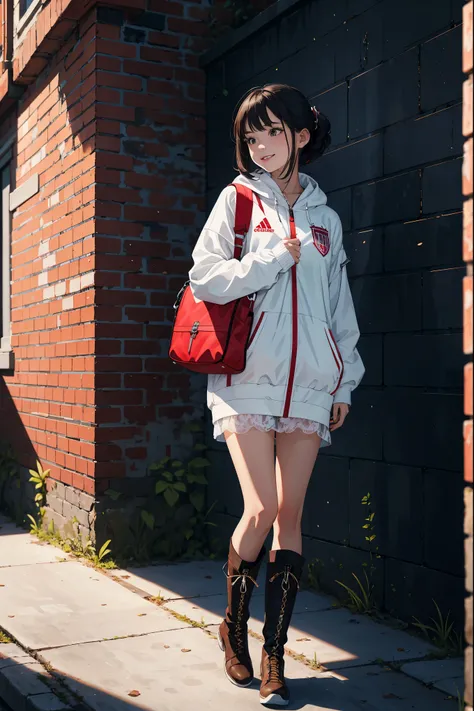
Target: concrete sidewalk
x=84 y=639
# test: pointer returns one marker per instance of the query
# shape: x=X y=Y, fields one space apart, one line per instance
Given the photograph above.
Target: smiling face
x=270 y=147
x=272 y=128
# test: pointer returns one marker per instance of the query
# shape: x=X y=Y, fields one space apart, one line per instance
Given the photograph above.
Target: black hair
x=290 y=106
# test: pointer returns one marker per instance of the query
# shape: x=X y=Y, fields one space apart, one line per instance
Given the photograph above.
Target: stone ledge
x=6 y=360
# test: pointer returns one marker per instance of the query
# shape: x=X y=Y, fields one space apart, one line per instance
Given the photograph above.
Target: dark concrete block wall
x=388 y=75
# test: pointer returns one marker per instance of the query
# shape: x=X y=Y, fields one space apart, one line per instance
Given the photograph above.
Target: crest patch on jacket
x=320 y=239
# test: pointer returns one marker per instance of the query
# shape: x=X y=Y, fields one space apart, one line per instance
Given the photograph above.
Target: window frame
x=6 y=352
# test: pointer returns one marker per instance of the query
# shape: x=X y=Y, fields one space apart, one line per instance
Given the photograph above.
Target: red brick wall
x=112 y=121
x=51 y=399
x=468 y=341
x=150 y=205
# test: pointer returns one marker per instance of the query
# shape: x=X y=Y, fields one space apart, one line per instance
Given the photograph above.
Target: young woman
x=302 y=362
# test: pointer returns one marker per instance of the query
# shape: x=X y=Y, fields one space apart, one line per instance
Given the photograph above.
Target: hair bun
x=320 y=136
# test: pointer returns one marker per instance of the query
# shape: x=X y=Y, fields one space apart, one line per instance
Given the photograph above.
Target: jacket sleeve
x=219 y=278
x=344 y=321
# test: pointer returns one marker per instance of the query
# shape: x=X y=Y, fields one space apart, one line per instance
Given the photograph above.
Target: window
x=24 y=5
x=6 y=355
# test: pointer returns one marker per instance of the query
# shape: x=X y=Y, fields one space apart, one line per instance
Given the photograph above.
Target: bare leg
x=253 y=457
x=296 y=455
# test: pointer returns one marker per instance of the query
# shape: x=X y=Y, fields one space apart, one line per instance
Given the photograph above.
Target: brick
x=468 y=451
x=467 y=119
x=421 y=442
x=357 y=162
x=394 y=489
x=408 y=588
x=136 y=453
x=186 y=27
x=119 y=81
x=110 y=16
x=411 y=143
x=116 y=49
x=468 y=604
x=370 y=349
x=384 y=95
x=131 y=34
x=468 y=511
x=153 y=20
x=365 y=250
x=442 y=187
x=467 y=168
x=354 y=439
x=442 y=287
x=468 y=563
x=467 y=37
x=341 y=202
x=391 y=303
x=441 y=75
x=468 y=396
x=351 y=40
x=441 y=355
x=467 y=230
x=436 y=526
x=422 y=244
x=155 y=54
x=388 y=200
x=468 y=314
x=406 y=23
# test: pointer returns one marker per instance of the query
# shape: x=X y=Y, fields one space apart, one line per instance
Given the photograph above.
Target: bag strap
x=243 y=216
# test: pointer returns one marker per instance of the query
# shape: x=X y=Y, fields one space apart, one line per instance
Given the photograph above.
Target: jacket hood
x=263 y=184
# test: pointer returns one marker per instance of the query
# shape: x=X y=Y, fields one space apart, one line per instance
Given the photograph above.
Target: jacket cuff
x=283 y=255
x=343 y=394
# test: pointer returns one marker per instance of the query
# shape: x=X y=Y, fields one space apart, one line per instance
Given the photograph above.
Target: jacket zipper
x=294 y=345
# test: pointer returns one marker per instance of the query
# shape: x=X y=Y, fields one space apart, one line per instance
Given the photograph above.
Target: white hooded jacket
x=302 y=353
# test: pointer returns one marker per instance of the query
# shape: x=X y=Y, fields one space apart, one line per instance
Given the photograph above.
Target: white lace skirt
x=243 y=423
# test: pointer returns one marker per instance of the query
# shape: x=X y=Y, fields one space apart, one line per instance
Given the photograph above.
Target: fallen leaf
x=103 y=604
x=391 y=696
x=11 y=615
x=166 y=646
x=134 y=692
x=1 y=585
x=303 y=639
x=185 y=650
x=125 y=577
x=401 y=649
x=142 y=614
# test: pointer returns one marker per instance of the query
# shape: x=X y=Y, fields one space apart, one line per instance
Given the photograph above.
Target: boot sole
x=222 y=648
x=273 y=700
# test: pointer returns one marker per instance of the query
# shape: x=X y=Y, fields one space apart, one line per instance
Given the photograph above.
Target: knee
x=289 y=516
x=262 y=517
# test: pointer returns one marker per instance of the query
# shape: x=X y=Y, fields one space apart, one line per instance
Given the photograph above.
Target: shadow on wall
x=16 y=493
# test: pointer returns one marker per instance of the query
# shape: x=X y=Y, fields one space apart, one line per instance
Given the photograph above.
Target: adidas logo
x=264 y=226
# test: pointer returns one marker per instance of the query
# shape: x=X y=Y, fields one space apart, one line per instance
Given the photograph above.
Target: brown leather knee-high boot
x=232 y=633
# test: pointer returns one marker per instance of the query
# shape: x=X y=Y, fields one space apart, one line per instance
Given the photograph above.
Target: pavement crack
x=110 y=639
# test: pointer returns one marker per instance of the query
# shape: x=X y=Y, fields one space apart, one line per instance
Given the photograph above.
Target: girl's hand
x=339 y=414
x=294 y=248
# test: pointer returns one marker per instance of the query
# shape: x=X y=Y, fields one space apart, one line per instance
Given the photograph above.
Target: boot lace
x=239 y=627
x=274 y=668
x=285 y=584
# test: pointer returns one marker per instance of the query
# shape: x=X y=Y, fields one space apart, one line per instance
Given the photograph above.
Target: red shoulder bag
x=213 y=338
